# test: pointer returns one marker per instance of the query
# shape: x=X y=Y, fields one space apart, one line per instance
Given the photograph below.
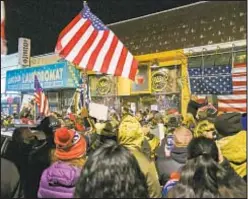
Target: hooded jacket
x=233 y=148
x=130 y=135
x=228 y=124
x=58 y=181
x=167 y=165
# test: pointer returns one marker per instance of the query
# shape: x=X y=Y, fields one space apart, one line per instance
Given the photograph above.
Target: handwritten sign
x=98 y=111
x=154 y=107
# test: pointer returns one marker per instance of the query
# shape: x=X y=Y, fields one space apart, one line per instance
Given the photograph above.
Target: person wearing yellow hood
x=152 y=140
x=233 y=141
x=131 y=136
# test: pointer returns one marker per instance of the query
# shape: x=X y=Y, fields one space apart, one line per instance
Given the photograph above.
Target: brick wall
x=202 y=24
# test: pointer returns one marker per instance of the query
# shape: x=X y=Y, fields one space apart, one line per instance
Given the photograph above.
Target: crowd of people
x=200 y=155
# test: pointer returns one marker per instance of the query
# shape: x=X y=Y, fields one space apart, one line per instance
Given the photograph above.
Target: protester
x=19 y=150
x=189 y=121
x=193 y=106
x=131 y=136
x=48 y=125
x=166 y=165
x=233 y=141
x=206 y=129
x=111 y=172
x=39 y=157
x=151 y=142
x=58 y=181
x=203 y=177
x=10 y=180
x=104 y=131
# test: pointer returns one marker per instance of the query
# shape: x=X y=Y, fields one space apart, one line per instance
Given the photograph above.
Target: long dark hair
x=202 y=176
x=111 y=172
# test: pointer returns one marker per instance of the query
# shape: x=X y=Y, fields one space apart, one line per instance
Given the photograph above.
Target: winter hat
x=172 y=111
x=108 y=128
x=69 y=144
x=228 y=124
x=174 y=178
x=49 y=124
x=182 y=137
x=79 y=127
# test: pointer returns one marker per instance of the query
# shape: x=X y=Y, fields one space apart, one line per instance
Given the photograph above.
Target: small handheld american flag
x=40 y=98
x=88 y=43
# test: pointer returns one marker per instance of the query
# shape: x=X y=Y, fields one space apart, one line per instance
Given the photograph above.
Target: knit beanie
x=228 y=124
x=48 y=125
x=69 y=144
x=182 y=137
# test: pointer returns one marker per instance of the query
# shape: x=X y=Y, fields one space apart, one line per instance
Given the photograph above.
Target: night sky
x=42 y=20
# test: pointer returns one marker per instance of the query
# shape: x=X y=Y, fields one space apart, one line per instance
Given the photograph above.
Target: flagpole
x=84 y=76
x=72 y=99
x=35 y=112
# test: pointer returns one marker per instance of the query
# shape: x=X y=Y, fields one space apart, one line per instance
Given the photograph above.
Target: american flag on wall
x=40 y=98
x=88 y=43
x=236 y=102
x=234 y=86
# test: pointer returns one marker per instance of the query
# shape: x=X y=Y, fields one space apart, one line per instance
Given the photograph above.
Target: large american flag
x=211 y=80
x=233 y=85
x=236 y=102
x=40 y=98
x=88 y=43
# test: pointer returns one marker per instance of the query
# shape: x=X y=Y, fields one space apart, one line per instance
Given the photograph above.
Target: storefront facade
x=10 y=100
x=58 y=80
x=160 y=84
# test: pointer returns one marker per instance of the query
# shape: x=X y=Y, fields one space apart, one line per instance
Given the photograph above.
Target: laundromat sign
x=50 y=76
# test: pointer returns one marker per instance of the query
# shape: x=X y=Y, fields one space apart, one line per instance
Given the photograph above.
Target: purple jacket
x=58 y=181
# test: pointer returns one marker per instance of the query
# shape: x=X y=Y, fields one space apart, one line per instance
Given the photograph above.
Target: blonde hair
x=78 y=162
x=202 y=127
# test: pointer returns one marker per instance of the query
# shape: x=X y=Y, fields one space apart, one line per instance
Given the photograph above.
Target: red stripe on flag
x=133 y=70
x=109 y=55
x=121 y=62
x=95 y=53
x=68 y=48
x=239 y=65
x=239 y=83
x=239 y=75
x=3 y=30
x=239 y=92
x=85 y=48
x=232 y=109
x=69 y=27
x=227 y=101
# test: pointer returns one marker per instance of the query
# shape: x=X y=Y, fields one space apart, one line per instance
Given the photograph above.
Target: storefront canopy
x=53 y=76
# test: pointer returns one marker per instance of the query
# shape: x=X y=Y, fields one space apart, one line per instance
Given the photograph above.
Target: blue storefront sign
x=50 y=76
